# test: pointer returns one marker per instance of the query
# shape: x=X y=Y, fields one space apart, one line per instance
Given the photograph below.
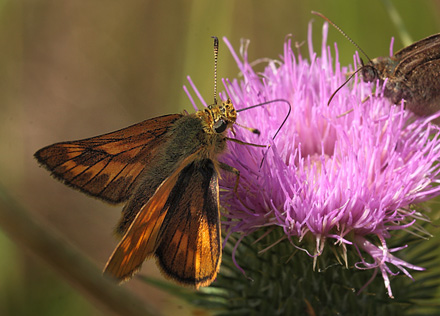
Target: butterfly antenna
x=215 y=67
x=343 y=33
x=281 y=126
x=346 y=81
x=264 y=103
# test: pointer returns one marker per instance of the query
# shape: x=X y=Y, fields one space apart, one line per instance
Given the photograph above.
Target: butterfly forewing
x=415 y=77
x=415 y=48
x=418 y=54
x=108 y=166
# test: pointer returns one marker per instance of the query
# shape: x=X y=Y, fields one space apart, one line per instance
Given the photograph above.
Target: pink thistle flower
x=348 y=172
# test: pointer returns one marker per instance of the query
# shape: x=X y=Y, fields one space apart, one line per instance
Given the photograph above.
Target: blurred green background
x=74 y=69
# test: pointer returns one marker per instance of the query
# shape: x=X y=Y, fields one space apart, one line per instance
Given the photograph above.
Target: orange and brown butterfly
x=166 y=171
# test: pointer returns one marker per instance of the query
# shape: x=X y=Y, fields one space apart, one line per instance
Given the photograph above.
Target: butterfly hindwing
x=107 y=166
x=179 y=225
x=190 y=250
x=141 y=239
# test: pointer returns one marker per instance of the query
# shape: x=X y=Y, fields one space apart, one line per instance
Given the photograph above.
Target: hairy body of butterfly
x=412 y=74
x=166 y=171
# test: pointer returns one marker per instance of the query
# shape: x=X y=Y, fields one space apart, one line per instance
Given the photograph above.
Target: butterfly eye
x=369 y=73
x=220 y=126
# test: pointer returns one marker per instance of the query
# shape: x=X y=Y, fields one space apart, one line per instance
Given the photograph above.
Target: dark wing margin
x=190 y=251
x=107 y=166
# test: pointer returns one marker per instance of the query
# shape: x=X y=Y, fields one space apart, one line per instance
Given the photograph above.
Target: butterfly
x=166 y=171
x=411 y=74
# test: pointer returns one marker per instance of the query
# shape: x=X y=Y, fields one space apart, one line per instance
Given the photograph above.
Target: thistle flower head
x=345 y=173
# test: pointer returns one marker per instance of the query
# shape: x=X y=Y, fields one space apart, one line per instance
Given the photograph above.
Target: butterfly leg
x=243 y=143
x=233 y=170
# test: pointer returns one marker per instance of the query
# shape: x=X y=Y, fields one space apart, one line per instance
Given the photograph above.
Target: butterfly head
x=221 y=116
x=378 y=68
